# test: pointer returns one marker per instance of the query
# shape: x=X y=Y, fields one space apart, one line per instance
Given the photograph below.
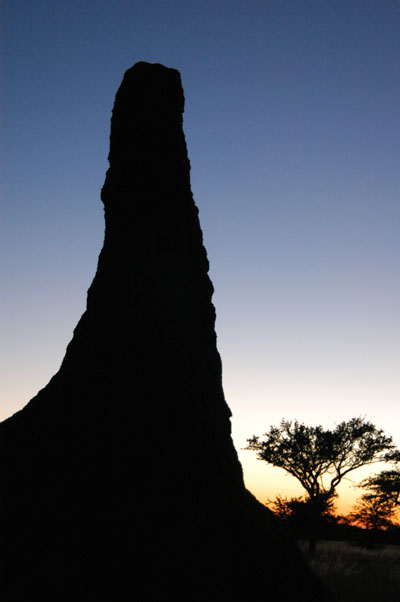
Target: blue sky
x=292 y=125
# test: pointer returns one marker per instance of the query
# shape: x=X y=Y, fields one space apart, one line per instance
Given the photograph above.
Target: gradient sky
x=292 y=126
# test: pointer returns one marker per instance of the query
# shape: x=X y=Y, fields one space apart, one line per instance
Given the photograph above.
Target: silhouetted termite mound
x=120 y=481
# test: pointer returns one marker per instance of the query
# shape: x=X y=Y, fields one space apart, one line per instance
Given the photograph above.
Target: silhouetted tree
x=297 y=513
x=378 y=506
x=320 y=458
x=372 y=513
x=384 y=486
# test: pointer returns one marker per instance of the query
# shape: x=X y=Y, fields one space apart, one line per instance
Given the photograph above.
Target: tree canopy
x=320 y=458
x=380 y=503
x=372 y=513
x=384 y=486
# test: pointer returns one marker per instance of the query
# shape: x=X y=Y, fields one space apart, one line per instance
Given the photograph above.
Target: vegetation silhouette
x=372 y=512
x=320 y=459
x=298 y=513
x=378 y=507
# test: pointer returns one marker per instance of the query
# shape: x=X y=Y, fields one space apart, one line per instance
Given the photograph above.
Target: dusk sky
x=292 y=126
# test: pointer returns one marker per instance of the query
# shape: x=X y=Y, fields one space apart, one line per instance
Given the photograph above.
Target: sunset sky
x=292 y=125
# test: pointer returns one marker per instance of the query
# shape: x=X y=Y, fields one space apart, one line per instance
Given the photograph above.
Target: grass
x=355 y=574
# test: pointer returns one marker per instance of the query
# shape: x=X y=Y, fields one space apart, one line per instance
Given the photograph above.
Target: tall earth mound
x=120 y=482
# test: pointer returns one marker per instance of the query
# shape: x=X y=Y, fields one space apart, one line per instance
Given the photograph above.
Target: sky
x=292 y=127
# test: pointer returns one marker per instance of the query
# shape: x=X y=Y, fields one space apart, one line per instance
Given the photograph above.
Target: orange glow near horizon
x=266 y=482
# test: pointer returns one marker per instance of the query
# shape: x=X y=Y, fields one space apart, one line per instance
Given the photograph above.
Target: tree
x=384 y=486
x=378 y=506
x=372 y=513
x=319 y=459
x=297 y=513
